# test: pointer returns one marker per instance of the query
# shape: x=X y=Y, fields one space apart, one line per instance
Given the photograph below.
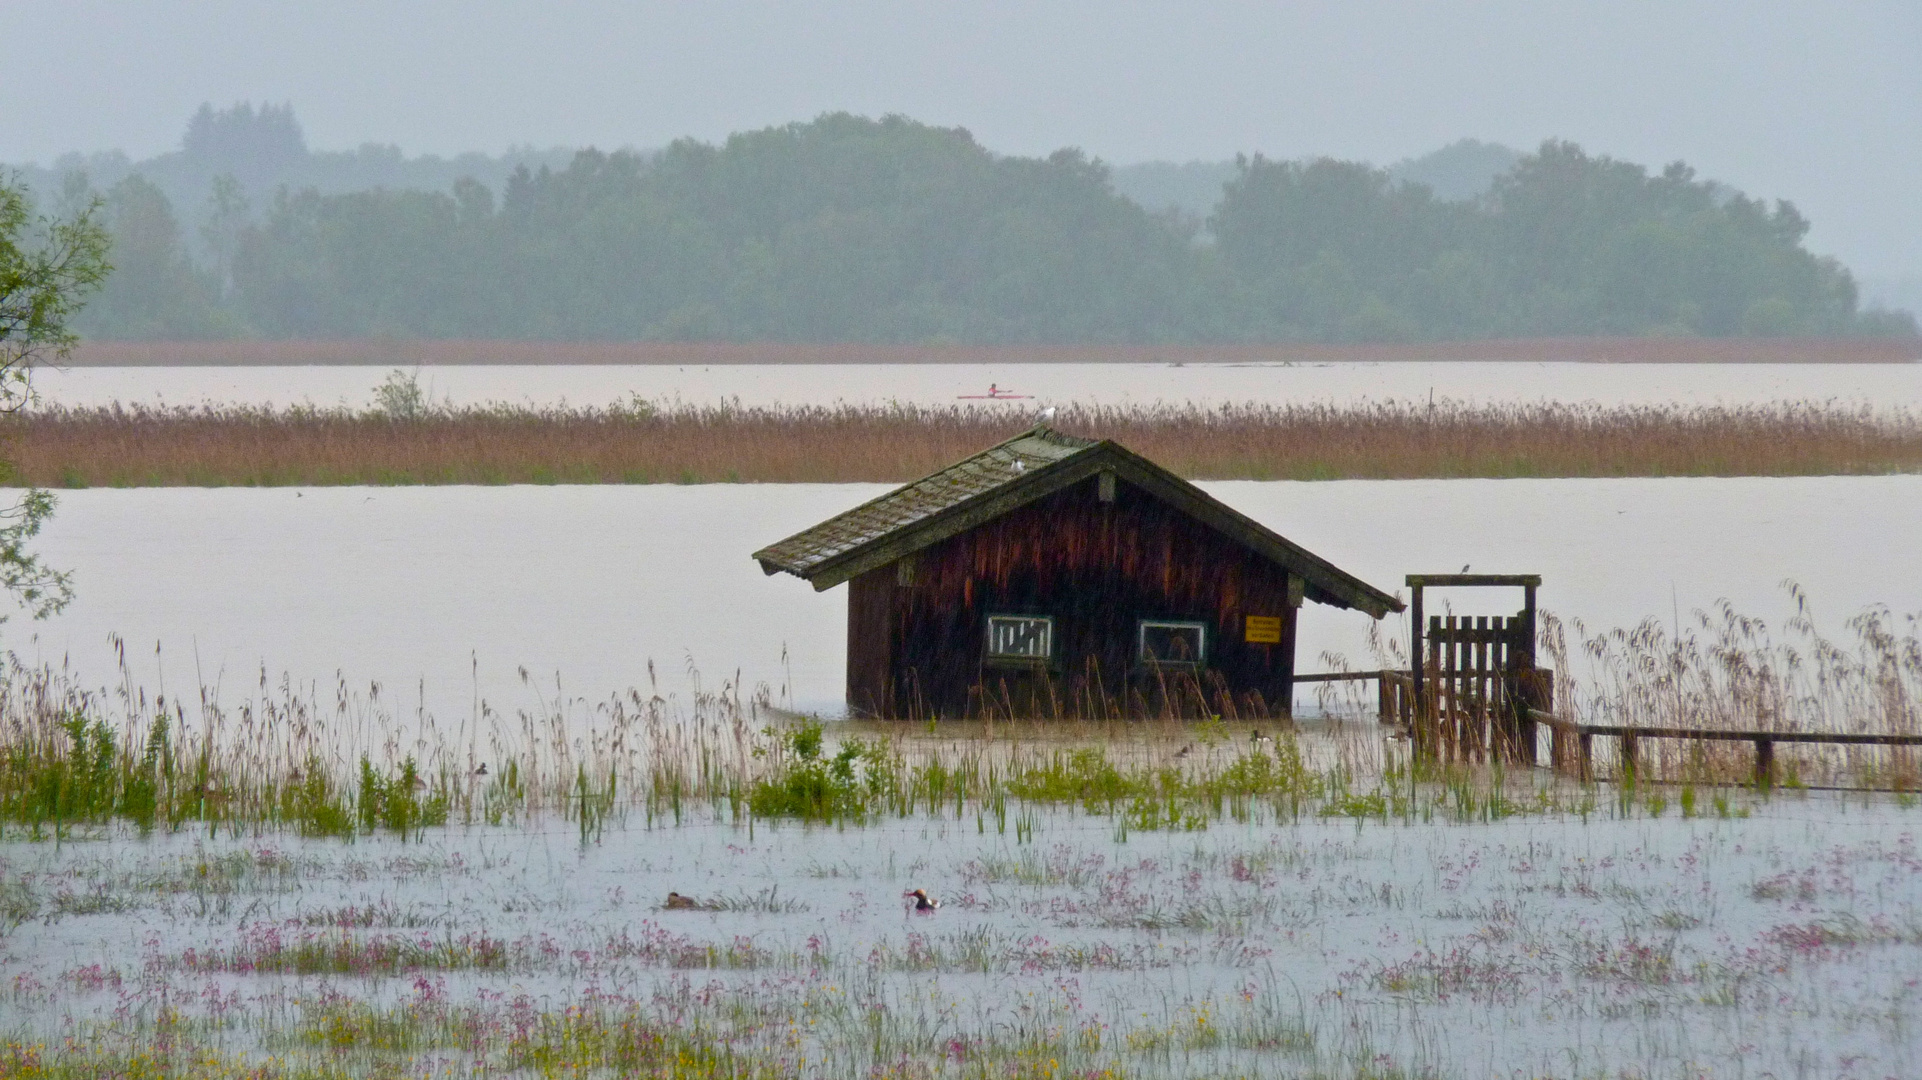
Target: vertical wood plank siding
x=1096 y=567
x=870 y=657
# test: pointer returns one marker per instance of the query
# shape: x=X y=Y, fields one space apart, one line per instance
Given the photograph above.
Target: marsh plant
x=286 y=760
x=1722 y=669
x=407 y=438
x=1308 y=947
x=400 y=396
x=291 y=886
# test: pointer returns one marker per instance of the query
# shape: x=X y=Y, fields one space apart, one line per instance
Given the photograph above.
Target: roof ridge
x=1008 y=474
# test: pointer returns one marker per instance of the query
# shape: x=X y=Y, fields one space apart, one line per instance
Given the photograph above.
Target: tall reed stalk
x=1724 y=670
x=286 y=758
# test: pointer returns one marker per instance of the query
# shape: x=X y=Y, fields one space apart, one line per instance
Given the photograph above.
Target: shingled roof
x=1033 y=464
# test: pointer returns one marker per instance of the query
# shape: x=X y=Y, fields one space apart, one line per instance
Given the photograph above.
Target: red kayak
x=995 y=393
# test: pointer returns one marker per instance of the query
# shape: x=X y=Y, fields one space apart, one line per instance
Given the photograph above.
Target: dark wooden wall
x=917 y=631
x=870 y=643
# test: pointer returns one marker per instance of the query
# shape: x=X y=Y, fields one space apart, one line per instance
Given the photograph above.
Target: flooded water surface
x=516 y=595
x=1772 y=938
x=1881 y=385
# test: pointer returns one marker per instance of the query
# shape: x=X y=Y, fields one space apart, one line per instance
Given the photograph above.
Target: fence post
x=1534 y=690
x=1764 y=762
x=1586 y=770
x=1625 y=768
x=1428 y=719
x=1416 y=647
x=1442 y=695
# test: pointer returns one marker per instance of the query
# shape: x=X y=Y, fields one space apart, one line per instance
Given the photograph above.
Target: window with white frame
x=1028 y=638
x=1171 y=643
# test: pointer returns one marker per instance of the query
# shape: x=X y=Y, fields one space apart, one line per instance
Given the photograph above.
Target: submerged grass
x=74 y=760
x=69 y=766
x=643 y=443
x=352 y=1039
x=1613 y=950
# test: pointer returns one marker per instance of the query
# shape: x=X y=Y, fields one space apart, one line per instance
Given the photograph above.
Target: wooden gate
x=1470 y=688
x=1474 y=677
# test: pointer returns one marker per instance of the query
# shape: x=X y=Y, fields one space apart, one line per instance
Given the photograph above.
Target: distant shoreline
x=400 y=353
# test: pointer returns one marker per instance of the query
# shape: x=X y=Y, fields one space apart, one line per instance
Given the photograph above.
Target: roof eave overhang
x=1326 y=583
x=1039 y=482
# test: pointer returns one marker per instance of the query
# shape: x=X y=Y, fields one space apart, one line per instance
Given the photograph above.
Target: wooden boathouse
x=1054 y=576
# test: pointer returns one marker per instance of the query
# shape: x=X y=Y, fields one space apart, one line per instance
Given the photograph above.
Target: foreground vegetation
x=72 y=759
x=1594 y=944
x=293 y=886
x=408 y=441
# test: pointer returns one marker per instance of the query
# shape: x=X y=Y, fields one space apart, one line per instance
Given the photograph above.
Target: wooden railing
x=1571 y=748
x=1573 y=743
x=1397 y=691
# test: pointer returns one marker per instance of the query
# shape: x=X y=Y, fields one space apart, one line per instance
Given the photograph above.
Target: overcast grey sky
x=1819 y=101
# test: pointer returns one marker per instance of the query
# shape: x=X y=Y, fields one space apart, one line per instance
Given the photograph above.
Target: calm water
x=446 y=595
x=1881 y=385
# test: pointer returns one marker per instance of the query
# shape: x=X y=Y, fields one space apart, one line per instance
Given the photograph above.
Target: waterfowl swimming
x=677 y=902
x=1262 y=740
x=482 y=771
x=1185 y=750
x=922 y=901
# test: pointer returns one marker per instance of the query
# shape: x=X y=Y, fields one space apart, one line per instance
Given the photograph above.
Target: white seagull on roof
x=1047 y=415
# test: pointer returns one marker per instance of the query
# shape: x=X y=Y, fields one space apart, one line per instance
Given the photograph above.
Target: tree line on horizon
x=845 y=229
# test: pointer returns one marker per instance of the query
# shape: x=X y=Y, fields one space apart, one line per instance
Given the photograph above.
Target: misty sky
x=1819 y=102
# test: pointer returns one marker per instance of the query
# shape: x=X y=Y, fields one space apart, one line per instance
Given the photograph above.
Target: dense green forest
x=849 y=229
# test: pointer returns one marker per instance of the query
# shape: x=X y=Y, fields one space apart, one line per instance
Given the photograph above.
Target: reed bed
x=1723 y=670
x=288 y=759
x=641 y=442
x=349 y=761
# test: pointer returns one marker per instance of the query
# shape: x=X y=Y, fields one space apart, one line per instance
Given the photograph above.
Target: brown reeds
x=1722 y=670
x=224 y=445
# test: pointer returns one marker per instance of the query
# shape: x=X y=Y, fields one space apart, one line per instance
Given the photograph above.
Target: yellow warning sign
x=1264 y=629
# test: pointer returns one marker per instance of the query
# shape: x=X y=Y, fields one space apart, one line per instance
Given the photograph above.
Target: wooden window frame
x=995 y=659
x=1141 y=644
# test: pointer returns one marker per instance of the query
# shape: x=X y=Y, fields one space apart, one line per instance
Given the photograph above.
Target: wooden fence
x=1441 y=731
x=1573 y=744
